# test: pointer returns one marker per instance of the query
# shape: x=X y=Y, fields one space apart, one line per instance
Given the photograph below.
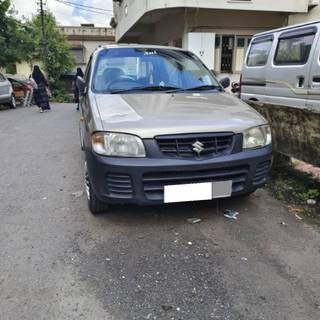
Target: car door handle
x=301 y=82
x=316 y=82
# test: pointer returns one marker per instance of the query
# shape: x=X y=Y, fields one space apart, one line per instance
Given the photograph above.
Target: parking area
x=57 y=261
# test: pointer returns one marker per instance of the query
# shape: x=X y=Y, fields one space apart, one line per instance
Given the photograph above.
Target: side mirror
x=225 y=82
x=81 y=85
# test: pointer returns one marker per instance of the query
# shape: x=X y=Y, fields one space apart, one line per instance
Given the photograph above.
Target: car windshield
x=144 y=69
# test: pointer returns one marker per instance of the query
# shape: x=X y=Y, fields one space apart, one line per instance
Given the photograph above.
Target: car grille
x=186 y=146
x=119 y=185
x=262 y=173
x=153 y=183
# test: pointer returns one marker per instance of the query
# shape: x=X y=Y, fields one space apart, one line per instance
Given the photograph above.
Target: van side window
x=259 y=53
x=294 y=50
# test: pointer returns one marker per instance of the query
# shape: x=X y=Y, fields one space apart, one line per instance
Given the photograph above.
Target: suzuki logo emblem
x=198 y=147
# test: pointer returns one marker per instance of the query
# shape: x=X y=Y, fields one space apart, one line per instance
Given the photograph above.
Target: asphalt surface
x=57 y=261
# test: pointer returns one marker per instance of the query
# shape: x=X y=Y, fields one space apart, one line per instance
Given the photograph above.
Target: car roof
x=287 y=28
x=134 y=45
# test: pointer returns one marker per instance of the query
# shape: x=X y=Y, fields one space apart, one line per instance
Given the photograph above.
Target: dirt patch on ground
x=298 y=186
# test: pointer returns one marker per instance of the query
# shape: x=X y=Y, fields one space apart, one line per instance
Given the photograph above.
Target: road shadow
x=174 y=214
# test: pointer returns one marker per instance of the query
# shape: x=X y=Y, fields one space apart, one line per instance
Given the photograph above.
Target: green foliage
x=23 y=41
x=295 y=188
x=56 y=53
x=59 y=94
x=16 y=39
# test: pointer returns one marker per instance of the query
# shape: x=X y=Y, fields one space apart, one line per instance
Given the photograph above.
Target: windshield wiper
x=204 y=87
x=148 y=88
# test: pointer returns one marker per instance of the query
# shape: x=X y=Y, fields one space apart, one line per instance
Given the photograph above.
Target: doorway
x=227 y=54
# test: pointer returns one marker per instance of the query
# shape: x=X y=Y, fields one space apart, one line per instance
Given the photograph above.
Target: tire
x=96 y=206
x=245 y=195
x=280 y=160
x=13 y=104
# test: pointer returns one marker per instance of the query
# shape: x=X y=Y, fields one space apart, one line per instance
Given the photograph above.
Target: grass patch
x=295 y=189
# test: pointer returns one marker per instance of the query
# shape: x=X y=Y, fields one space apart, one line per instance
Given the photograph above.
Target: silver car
x=157 y=127
x=7 y=96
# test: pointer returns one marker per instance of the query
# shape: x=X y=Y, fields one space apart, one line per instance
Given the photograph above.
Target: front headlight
x=257 y=137
x=117 y=145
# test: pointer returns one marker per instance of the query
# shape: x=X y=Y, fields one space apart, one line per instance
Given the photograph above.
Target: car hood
x=149 y=115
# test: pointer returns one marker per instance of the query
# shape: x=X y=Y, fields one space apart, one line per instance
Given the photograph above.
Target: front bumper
x=142 y=180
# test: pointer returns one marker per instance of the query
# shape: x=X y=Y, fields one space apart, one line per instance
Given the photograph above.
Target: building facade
x=83 y=41
x=219 y=31
x=312 y=14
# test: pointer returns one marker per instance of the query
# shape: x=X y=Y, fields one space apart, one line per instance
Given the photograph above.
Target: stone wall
x=296 y=132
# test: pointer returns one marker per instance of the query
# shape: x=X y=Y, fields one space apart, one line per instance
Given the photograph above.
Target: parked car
x=21 y=88
x=158 y=127
x=282 y=67
x=7 y=96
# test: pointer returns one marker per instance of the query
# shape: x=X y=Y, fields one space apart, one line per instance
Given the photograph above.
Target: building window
x=218 y=42
x=259 y=53
x=178 y=43
x=241 y=42
x=294 y=50
x=78 y=55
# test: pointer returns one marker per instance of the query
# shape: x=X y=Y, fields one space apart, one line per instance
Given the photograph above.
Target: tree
x=16 y=39
x=55 y=52
x=23 y=41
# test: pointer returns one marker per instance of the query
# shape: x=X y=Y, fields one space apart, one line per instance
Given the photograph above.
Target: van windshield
x=144 y=69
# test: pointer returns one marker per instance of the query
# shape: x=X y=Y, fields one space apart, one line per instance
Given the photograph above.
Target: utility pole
x=44 y=39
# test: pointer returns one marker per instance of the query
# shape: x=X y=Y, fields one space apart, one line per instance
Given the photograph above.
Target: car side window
x=294 y=50
x=2 y=78
x=88 y=72
x=259 y=53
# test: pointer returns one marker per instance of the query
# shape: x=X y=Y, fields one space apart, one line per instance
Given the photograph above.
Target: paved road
x=59 y=262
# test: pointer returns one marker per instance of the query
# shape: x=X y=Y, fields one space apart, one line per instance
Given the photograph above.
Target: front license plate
x=197 y=191
x=188 y=192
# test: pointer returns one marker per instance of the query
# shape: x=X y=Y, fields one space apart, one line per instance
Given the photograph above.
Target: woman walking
x=41 y=96
x=76 y=89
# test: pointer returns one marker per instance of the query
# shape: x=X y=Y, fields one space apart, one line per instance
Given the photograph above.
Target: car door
x=287 y=80
x=5 y=87
x=86 y=119
x=313 y=100
x=202 y=44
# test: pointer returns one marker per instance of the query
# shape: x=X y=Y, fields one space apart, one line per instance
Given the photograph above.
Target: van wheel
x=95 y=205
x=13 y=104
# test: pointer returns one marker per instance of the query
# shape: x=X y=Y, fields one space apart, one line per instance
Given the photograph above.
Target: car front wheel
x=13 y=103
x=96 y=206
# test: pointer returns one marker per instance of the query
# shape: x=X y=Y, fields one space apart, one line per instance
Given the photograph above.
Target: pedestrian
x=41 y=96
x=75 y=86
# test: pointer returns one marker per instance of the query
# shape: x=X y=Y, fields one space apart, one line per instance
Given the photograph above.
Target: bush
x=61 y=95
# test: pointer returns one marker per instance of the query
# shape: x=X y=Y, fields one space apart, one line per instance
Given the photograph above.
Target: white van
x=282 y=67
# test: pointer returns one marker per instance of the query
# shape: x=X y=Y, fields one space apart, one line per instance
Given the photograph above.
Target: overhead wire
x=86 y=8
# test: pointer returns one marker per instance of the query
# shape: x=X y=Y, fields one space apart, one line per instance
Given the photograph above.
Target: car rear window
x=294 y=50
x=259 y=52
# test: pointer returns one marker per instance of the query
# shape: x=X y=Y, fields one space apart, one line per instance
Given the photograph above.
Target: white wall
x=175 y=26
x=313 y=14
x=131 y=11
x=25 y=68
